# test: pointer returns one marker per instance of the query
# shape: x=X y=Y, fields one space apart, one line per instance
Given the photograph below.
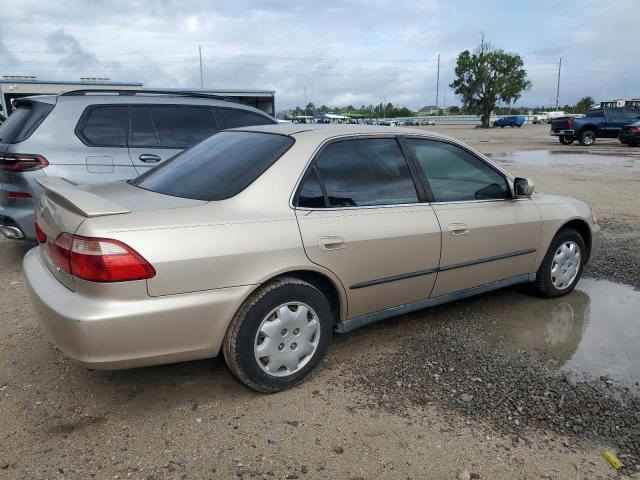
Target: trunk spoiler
x=83 y=202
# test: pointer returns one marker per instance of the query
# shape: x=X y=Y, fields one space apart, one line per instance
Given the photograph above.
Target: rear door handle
x=149 y=158
x=331 y=243
x=459 y=229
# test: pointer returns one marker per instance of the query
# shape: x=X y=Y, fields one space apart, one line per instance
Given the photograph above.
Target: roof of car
x=328 y=131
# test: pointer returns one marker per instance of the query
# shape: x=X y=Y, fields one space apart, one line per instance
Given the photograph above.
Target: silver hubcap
x=565 y=265
x=287 y=339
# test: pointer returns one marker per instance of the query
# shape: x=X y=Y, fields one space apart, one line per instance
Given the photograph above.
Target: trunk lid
x=64 y=206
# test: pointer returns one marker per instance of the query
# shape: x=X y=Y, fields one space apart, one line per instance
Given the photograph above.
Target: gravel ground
x=450 y=364
x=618 y=259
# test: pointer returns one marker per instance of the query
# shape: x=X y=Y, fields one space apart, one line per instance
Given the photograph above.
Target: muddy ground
x=399 y=399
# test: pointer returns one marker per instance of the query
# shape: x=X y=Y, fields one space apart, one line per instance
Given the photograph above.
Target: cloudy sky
x=341 y=52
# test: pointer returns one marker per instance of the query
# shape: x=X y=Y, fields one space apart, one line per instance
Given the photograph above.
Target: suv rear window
x=106 y=126
x=218 y=168
x=24 y=121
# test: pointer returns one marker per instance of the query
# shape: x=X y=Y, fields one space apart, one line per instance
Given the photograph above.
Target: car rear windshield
x=218 y=168
x=24 y=121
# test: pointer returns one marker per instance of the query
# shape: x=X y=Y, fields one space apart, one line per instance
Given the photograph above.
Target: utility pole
x=201 y=78
x=438 y=85
x=558 y=88
x=306 y=112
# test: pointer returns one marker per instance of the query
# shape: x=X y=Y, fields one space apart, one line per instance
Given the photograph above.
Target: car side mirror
x=523 y=187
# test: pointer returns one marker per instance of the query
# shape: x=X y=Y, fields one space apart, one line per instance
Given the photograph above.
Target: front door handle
x=331 y=243
x=459 y=229
x=149 y=158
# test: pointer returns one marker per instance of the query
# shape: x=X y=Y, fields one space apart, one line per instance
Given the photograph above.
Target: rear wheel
x=566 y=140
x=279 y=335
x=587 y=137
x=562 y=265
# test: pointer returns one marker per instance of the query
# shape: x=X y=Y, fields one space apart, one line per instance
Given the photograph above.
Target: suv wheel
x=566 y=140
x=587 y=137
x=279 y=335
x=562 y=265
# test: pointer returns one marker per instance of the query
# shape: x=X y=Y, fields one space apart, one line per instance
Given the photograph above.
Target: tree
x=310 y=109
x=455 y=110
x=584 y=104
x=486 y=77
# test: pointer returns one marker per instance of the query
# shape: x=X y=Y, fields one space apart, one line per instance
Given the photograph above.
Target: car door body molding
x=393 y=278
x=487 y=259
x=402 y=276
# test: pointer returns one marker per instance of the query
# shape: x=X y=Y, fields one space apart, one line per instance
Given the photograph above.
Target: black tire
x=238 y=345
x=587 y=137
x=544 y=283
x=566 y=140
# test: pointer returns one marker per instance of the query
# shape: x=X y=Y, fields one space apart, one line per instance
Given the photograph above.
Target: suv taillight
x=570 y=122
x=22 y=162
x=98 y=259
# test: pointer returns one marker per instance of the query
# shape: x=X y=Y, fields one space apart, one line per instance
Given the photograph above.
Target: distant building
x=427 y=110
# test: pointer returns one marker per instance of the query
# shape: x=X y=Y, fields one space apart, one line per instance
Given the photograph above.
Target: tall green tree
x=486 y=77
x=584 y=104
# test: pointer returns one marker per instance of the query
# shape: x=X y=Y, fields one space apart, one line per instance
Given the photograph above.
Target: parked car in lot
x=96 y=136
x=630 y=134
x=260 y=242
x=540 y=118
x=597 y=123
x=511 y=121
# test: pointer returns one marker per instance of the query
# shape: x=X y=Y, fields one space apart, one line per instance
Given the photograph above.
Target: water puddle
x=593 y=332
x=550 y=158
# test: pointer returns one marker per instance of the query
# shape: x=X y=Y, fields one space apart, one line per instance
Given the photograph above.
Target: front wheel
x=587 y=137
x=562 y=265
x=279 y=335
x=566 y=140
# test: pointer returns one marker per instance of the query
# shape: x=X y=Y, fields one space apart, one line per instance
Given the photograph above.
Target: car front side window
x=456 y=175
x=359 y=172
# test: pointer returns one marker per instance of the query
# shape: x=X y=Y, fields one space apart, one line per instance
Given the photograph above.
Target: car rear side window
x=234 y=118
x=181 y=127
x=311 y=194
x=456 y=175
x=106 y=126
x=218 y=168
x=24 y=121
x=143 y=133
x=362 y=172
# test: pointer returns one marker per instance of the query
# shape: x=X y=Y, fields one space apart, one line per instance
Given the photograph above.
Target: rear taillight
x=40 y=235
x=22 y=162
x=98 y=259
x=19 y=195
x=570 y=122
x=633 y=129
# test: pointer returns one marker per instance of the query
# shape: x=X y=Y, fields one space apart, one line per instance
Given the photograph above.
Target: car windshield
x=218 y=168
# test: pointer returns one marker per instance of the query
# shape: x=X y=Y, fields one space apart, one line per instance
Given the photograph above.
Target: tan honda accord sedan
x=262 y=242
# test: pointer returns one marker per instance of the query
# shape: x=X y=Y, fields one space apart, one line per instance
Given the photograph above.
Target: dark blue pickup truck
x=601 y=122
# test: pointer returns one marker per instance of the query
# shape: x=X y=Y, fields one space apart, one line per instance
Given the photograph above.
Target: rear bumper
x=113 y=333
x=629 y=138
x=19 y=213
x=565 y=132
